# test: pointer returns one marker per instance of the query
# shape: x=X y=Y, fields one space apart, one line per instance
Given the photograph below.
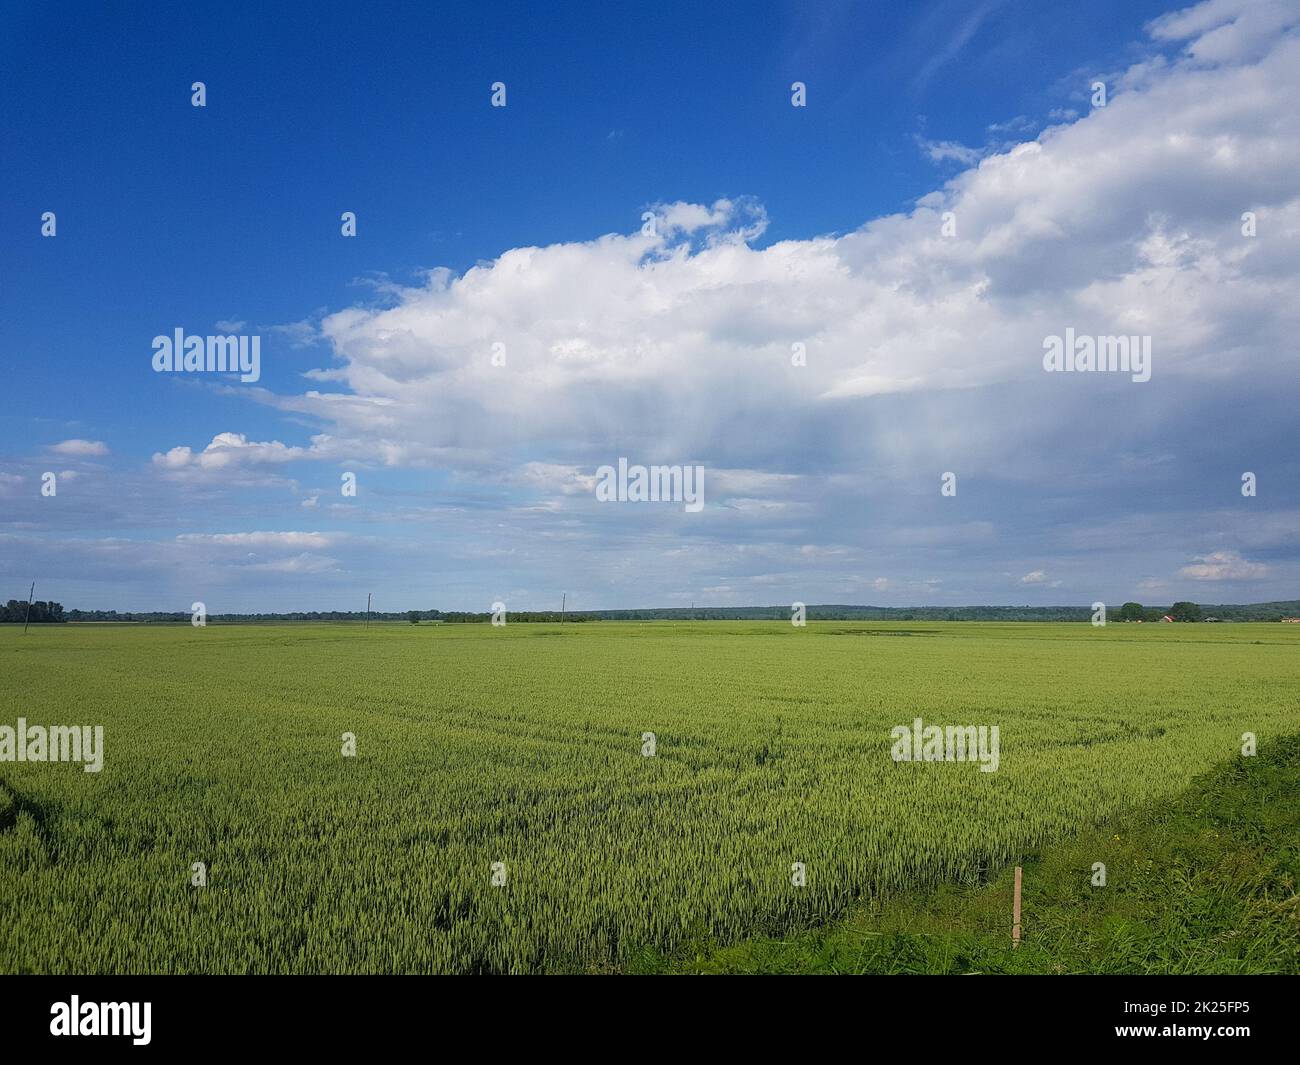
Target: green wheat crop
x=522 y=745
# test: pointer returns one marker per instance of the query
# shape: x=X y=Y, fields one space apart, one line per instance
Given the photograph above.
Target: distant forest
x=16 y=610
x=43 y=612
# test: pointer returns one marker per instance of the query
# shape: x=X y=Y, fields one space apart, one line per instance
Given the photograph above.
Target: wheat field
x=502 y=812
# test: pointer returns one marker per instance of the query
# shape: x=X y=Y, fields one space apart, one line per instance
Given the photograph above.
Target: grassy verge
x=1205 y=884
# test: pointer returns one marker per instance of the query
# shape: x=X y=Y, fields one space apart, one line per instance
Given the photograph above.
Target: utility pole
x=29 y=608
x=368 y=610
x=563 y=600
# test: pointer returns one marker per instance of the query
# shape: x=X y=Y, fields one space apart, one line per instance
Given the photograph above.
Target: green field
x=522 y=745
x=1207 y=883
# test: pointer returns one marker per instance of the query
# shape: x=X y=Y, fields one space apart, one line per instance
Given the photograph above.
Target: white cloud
x=81 y=448
x=923 y=354
x=1123 y=221
x=1224 y=566
x=235 y=449
x=1019 y=124
x=736 y=219
x=299 y=540
x=1039 y=577
x=299 y=334
x=949 y=151
x=1227 y=30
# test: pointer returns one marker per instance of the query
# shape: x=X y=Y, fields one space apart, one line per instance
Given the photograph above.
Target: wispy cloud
x=80 y=448
x=963 y=31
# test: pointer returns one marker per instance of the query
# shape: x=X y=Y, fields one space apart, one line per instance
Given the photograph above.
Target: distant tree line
x=1182 y=611
x=16 y=610
x=460 y=617
x=414 y=616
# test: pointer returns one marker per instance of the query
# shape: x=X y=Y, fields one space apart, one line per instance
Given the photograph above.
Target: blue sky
x=521 y=225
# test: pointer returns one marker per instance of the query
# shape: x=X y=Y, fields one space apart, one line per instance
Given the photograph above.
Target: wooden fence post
x=1015 y=914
